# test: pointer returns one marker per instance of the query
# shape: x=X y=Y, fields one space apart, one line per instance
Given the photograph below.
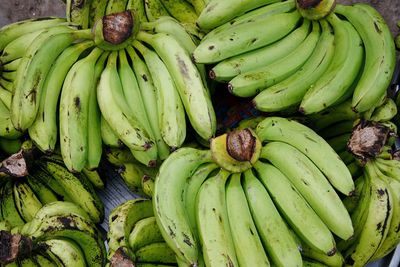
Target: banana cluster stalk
x=298 y=55
x=59 y=234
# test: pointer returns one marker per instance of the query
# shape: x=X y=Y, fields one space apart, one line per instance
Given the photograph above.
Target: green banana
x=115 y=6
x=10 y=66
x=108 y=136
x=8 y=85
x=78 y=12
x=148 y=92
x=154 y=9
x=336 y=129
x=155 y=252
x=119 y=157
x=198 y=5
x=33 y=70
x=43 y=131
x=10 y=146
x=25 y=200
x=213 y=223
x=380 y=55
x=264 y=56
x=144 y=233
x=115 y=110
x=192 y=90
x=170 y=212
x=218 y=12
x=270 y=225
x=97 y=11
x=74 y=110
x=239 y=39
x=290 y=92
x=248 y=247
x=132 y=174
x=27 y=262
x=8 y=209
x=6 y=97
x=94 y=177
x=133 y=98
x=14 y=30
x=312 y=184
x=252 y=82
x=297 y=212
x=138 y=6
x=351 y=202
x=94 y=143
x=385 y=112
x=311 y=145
x=44 y=261
x=172 y=121
x=181 y=10
x=343 y=70
x=147 y=184
x=122 y=220
x=9 y=76
x=64 y=252
x=7 y=129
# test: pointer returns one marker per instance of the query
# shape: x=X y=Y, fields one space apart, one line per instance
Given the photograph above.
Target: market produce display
x=132 y=88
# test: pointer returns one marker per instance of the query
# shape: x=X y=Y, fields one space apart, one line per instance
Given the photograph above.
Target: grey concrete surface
x=14 y=10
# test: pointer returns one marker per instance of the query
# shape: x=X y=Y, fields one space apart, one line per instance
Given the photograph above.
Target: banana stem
x=84 y=34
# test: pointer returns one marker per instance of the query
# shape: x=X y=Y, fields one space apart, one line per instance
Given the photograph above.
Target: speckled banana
x=25 y=200
x=312 y=184
x=115 y=6
x=78 y=12
x=171 y=116
x=191 y=88
x=7 y=129
x=181 y=10
x=108 y=136
x=218 y=12
x=154 y=9
x=380 y=54
x=63 y=252
x=213 y=222
x=144 y=233
x=170 y=212
x=42 y=191
x=8 y=210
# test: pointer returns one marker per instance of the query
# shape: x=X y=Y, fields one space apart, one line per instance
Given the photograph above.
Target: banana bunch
x=87 y=12
x=251 y=198
x=60 y=234
x=280 y=55
x=134 y=236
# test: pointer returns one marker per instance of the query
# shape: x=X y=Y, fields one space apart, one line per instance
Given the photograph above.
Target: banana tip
x=331 y=252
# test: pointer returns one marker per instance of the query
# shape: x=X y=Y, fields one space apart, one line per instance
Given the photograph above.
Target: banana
x=343 y=70
x=27 y=262
x=94 y=177
x=119 y=157
x=239 y=39
x=138 y=6
x=198 y=5
x=6 y=97
x=171 y=113
x=390 y=168
x=14 y=30
x=297 y=212
x=108 y=136
x=9 y=76
x=264 y=56
x=181 y=10
x=97 y=11
x=7 y=129
x=74 y=110
x=154 y=9
x=147 y=184
x=10 y=146
x=43 y=131
x=275 y=235
x=64 y=252
x=213 y=223
x=44 y=261
x=252 y=82
x=94 y=143
x=8 y=209
x=248 y=247
x=82 y=232
x=385 y=112
x=74 y=186
x=192 y=90
x=290 y=92
x=155 y=252
x=122 y=220
x=336 y=129
x=145 y=232
x=11 y=66
x=148 y=92
x=218 y=12
x=17 y=47
x=310 y=144
x=351 y=202
x=380 y=56
x=132 y=175
x=169 y=210
x=8 y=85
x=115 y=112
x=376 y=225
x=78 y=12
x=134 y=102
x=193 y=184
x=25 y=200
x=115 y=6
x=32 y=72
x=312 y=184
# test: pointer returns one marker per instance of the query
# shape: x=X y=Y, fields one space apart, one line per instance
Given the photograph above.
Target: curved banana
x=181 y=10
x=7 y=129
x=139 y=7
x=8 y=209
x=42 y=191
x=312 y=184
x=341 y=73
x=252 y=82
x=64 y=252
x=25 y=200
x=156 y=252
x=311 y=145
x=169 y=210
x=192 y=90
x=380 y=55
x=108 y=136
x=213 y=223
x=78 y=12
x=274 y=233
x=246 y=240
x=115 y=6
x=97 y=11
x=145 y=232
x=154 y=9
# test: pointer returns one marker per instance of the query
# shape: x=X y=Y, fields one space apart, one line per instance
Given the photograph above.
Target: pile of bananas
x=285 y=58
x=60 y=234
